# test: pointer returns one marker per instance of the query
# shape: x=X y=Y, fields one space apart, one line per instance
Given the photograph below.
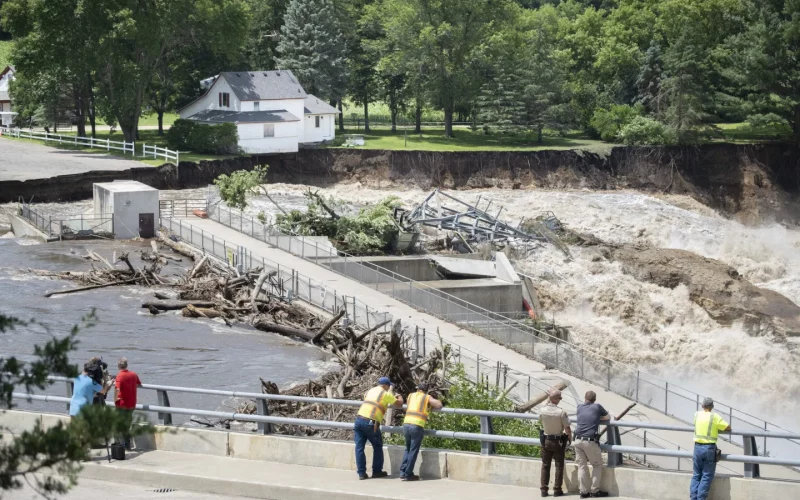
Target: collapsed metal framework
x=474 y=224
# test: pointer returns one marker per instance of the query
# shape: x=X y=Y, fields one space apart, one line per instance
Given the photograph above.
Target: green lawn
x=433 y=139
x=5 y=53
x=744 y=133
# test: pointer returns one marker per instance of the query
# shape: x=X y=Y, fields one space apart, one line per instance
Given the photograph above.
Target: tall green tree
x=312 y=47
x=648 y=83
x=767 y=60
x=500 y=104
x=265 y=31
x=442 y=36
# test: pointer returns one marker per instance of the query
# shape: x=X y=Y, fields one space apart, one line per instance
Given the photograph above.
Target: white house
x=272 y=112
x=6 y=114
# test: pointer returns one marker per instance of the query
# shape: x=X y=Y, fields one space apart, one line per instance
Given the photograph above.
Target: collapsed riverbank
x=753 y=183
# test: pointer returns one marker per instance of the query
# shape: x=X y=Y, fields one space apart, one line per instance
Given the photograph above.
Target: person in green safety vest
x=707 y=426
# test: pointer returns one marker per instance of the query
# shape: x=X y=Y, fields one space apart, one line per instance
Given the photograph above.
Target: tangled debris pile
x=468 y=225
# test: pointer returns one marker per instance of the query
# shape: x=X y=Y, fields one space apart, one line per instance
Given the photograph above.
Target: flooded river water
x=167 y=349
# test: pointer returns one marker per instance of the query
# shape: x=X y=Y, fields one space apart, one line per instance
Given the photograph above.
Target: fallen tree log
x=181 y=248
x=327 y=326
x=92 y=287
x=174 y=305
x=191 y=311
x=268 y=326
x=528 y=406
x=362 y=336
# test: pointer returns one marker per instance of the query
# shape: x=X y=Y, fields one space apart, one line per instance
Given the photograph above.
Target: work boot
x=545 y=493
x=558 y=493
x=361 y=478
x=382 y=473
x=599 y=494
x=585 y=495
x=412 y=477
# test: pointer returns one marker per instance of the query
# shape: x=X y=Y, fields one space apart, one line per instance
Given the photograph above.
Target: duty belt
x=587 y=438
x=553 y=437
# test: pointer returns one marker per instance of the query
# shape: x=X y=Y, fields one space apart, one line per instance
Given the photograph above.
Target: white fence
x=155 y=152
x=89 y=142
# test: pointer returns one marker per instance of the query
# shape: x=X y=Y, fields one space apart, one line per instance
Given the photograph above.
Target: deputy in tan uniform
x=555 y=437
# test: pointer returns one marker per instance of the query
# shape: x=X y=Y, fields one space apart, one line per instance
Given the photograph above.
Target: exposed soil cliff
x=752 y=182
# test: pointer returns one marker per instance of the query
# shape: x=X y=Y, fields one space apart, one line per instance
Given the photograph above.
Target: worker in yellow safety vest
x=418 y=410
x=367 y=426
x=707 y=426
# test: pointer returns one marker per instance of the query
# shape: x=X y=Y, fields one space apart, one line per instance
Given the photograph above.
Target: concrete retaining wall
x=24 y=229
x=433 y=464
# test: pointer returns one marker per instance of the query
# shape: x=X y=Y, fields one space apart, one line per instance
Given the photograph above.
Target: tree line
x=638 y=71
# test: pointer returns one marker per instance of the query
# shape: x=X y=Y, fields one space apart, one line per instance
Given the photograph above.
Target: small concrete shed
x=133 y=205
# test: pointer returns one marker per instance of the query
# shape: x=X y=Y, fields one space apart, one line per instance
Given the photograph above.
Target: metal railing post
x=613 y=438
x=163 y=400
x=70 y=387
x=262 y=406
x=666 y=397
x=487 y=447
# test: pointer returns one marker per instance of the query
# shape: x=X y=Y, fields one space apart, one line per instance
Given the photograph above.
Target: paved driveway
x=23 y=160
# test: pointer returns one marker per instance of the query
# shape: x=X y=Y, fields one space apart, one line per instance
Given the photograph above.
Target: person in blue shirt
x=83 y=392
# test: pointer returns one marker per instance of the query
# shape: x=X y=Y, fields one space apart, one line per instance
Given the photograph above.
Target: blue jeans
x=705 y=466
x=414 y=435
x=364 y=431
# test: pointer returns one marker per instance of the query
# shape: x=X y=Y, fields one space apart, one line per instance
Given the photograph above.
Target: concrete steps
x=276 y=481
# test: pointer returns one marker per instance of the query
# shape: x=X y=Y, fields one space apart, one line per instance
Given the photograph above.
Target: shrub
x=186 y=135
x=465 y=394
x=642 y=131
x=609 y=122
x=234 y=188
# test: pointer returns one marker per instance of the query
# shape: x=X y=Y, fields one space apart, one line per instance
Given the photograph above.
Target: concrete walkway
x=24 y=160
x=90 y=488
x=256 y=479
x=520 y=364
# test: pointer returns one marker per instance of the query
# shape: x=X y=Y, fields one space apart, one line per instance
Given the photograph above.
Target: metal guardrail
x=89 y=142
x=68 y=227
x=627 y=381
x=181 y=207
x=613 y=446
x=153 y=151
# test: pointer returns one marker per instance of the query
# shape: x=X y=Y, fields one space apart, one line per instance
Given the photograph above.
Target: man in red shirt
x=127 y=383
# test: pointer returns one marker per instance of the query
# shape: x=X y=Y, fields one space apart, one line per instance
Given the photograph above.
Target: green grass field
x=433 y=139
x=744 y=133
x=5 y=54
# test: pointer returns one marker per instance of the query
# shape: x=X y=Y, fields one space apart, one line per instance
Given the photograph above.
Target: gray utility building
x=133 y=206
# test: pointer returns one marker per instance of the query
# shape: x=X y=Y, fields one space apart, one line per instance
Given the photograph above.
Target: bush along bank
x=186 y=135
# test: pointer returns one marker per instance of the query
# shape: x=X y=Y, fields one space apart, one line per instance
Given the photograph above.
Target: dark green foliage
x=186 y=135
x=500 y=102
x=234 y=188
x=465 y=394
x=312 y=46
x=369 y=231
x=645 y=131
x=609 y=122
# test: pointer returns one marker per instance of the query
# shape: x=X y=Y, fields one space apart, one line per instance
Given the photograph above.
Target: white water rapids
x=657 y=329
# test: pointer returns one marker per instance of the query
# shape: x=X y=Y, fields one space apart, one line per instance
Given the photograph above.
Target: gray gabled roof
x=219 y=116
x=316 y=106
x=264 y=85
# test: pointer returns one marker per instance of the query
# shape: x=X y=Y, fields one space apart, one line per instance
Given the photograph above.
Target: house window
x=269 y=130
x=316 y=121
x=224 y=100
x=256 y=106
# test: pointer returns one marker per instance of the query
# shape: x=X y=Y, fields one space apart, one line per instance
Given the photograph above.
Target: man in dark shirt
x=587 y=446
